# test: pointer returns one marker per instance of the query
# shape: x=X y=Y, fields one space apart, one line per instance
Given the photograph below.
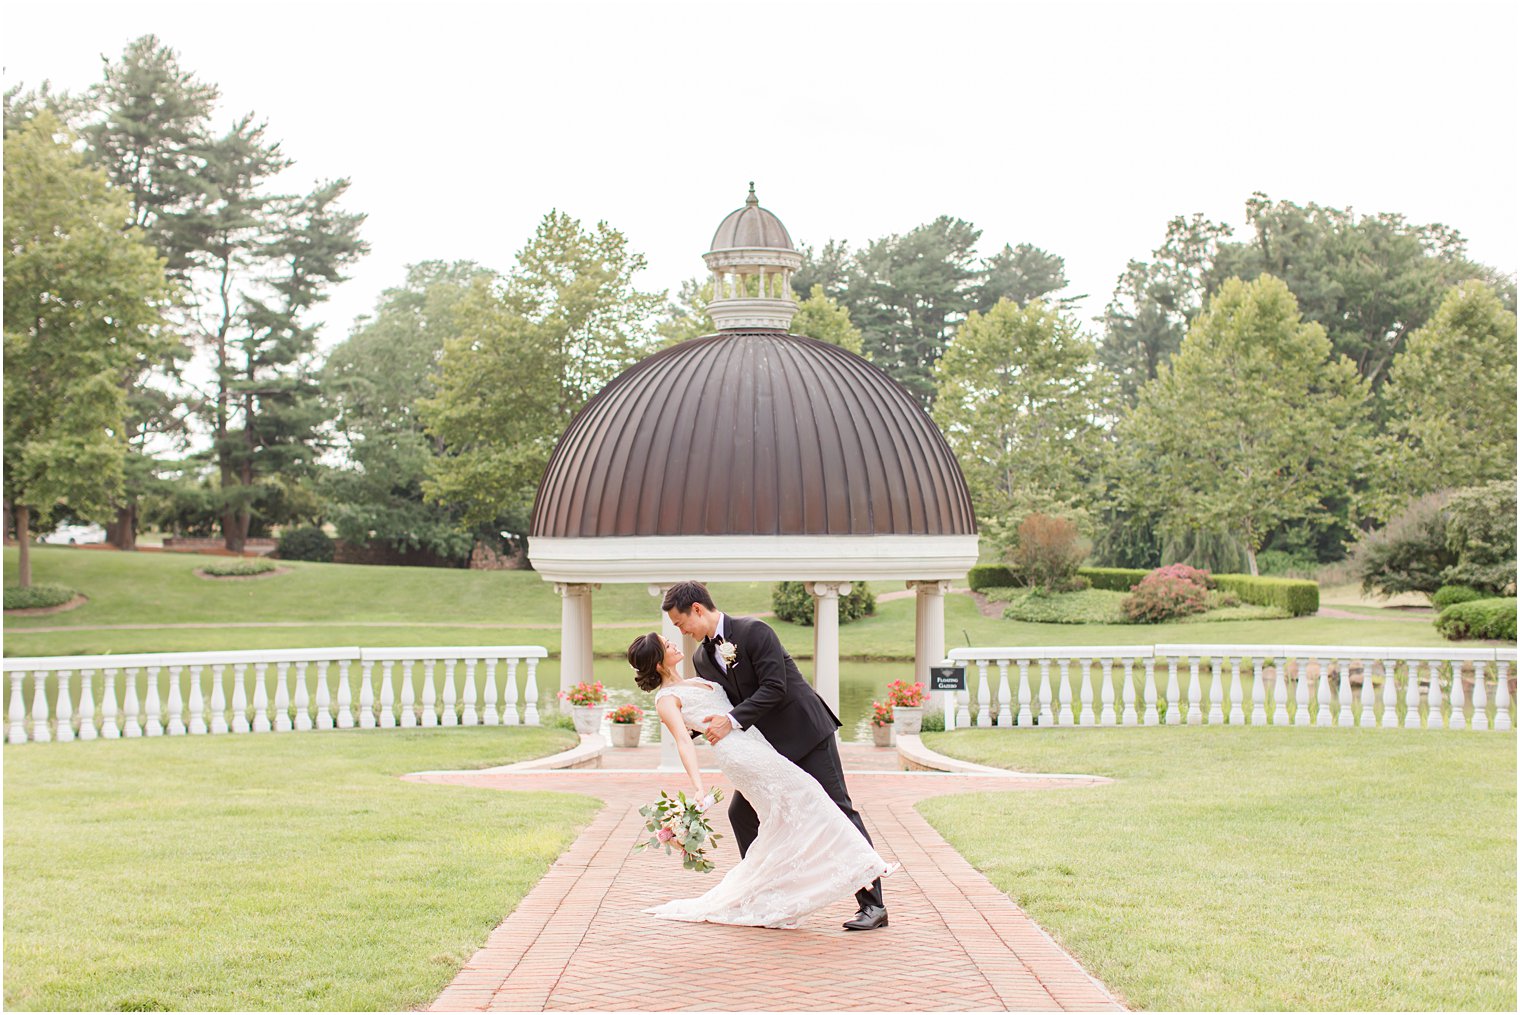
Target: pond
x=859 y=684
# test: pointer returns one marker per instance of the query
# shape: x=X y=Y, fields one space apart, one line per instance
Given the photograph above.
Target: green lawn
x=265 y=872
x=1260 y=869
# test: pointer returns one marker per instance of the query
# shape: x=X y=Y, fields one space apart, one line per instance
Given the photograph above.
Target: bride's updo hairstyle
x=645 y=656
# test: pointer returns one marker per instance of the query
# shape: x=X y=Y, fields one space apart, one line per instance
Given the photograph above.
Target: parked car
x=71 y=534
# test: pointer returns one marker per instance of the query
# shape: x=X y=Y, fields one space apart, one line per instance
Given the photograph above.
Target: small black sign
x=947 y=678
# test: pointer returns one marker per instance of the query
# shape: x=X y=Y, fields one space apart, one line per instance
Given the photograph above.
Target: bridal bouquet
x=679 y=823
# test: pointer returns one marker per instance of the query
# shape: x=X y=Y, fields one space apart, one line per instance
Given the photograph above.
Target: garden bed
x=1103 y=606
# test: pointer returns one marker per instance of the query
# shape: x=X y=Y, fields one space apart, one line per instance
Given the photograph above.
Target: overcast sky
x=1078 y=127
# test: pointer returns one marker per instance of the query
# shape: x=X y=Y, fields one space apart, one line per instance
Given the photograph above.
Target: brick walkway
x=579 y=941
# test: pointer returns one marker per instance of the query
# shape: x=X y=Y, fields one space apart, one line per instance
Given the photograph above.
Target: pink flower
x=666 y=835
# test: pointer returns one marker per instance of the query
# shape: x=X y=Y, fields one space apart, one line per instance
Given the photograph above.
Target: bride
x=806 y=854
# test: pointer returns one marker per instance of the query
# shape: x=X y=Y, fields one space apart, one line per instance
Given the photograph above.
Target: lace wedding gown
x=806 y=856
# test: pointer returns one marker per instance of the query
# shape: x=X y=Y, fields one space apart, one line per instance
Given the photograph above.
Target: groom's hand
x=718 y=727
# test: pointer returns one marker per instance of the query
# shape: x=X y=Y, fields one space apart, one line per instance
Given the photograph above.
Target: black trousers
x=823 y=764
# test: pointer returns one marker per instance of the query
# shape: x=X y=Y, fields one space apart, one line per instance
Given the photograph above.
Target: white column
x=929 y=628
x=670 y=759
x=575 y=633
x=826 y=639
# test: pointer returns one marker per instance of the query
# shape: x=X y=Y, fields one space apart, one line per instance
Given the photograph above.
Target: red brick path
x=579 y=941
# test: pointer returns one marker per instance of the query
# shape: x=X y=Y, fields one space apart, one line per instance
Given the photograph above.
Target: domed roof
x=752 y=433
x=751 y=227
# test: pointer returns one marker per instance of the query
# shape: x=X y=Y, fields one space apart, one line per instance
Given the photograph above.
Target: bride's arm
x=670 y=715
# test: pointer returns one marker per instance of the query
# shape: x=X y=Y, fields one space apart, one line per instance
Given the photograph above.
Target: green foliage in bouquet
x=679 y=824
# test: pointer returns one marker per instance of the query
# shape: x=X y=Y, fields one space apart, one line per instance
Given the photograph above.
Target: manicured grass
x=265 y=872
x=1260 y=869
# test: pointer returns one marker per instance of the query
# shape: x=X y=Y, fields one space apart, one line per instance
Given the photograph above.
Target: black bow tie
x=716 y=639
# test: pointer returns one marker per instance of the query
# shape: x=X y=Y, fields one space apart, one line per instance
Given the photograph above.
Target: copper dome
x=751 y=227
x=752 y=433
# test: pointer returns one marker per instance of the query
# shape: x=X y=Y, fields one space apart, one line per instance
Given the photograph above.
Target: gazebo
x=753 y=455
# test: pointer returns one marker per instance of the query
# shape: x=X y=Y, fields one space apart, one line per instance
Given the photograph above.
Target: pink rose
x=666 y=835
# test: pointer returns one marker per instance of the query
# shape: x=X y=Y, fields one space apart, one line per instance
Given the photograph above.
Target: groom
x=745 y=658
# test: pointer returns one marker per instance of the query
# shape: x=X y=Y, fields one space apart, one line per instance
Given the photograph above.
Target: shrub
x=934 y=722
x=237 y=567
x=1284 y=563
x=1480 y=531
x=557 y=721
x=985 y=576
x=1161 y=597
x=1298 y=597
x=36 y=596
x=1186 y=572
x=1410 y=553
x=309 y=543
x=794 y=603
x=1450 y=595
x=1480 y=618
x=1089 y=606
x=1115 y=579
x=1049 y=553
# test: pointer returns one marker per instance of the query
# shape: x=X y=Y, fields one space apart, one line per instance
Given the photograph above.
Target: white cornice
x=656 y=559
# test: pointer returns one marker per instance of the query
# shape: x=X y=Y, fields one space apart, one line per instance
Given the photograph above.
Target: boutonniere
x=728 y=652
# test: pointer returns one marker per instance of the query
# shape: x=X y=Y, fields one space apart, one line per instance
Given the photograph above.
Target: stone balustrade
x=1257 y=685
x=68 y=698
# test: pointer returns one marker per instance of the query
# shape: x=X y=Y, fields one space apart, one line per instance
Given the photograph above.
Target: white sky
x=1078 y=127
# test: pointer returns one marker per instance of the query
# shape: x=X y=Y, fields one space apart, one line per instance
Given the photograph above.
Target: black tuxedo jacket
x=767 y=689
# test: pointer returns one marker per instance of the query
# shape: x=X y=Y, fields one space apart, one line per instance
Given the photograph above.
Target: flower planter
x=908 y=720
x=626 y=734
x=882 y=735
x=588 y=718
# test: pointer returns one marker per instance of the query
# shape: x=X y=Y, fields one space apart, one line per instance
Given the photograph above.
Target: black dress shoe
x=868 y=918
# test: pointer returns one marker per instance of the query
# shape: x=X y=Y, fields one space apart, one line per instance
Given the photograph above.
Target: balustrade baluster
x=64 y=710
x=1237 y=707
x=429 y=694
x=108 y=728
x=345 y=700
x=1434 y=719
x=1301 y=694
x=367 y=694
x=1258 y=692
x=176 y=705
x=324 y=717
x=1026 y=716
x=1064 y=686
x=1195 y=693
x=388 y=695
x=1369 y=698
x=408 y=696
x=1411 y=699
x=240 y=698
x=1216 y=691
x=1106 y=693
x=448 y=716
x=1005 y=706
x=983 y=695
x=1501 y=697
x=1129 y=718
x=1458 y=696
x=488 y=714
x=218 y=698
x=16 y=733
x=1344 y=716
x=261 y=698
x=153 y=722
x=197 y=702
x=302 y=699
x=470 y=717
x=1152 y=713
x=509 y=695
x=1280 y=692
x=530 y=693
x=130 y=709
x=86 y=705
x=40 y=732
x=1322 y=715
x=1046 y=717
x=1480 y=694
x=1173 y=694
x=282 y=723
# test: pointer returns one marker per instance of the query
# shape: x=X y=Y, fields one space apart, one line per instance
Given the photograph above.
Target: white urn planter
x=882 y=735
x=908 y=720
x=588 y=718
x=626 y=734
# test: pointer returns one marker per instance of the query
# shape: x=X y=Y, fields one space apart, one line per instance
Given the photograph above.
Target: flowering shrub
x=881 y=713
x=1164 y=597
x=585 y=694
x=626 y=715
x=901 y=694
x=1198 y=576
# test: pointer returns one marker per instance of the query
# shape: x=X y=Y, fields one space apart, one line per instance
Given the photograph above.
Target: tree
x=526 y=357
x=820 y=317
x=1252 y=424
x=687 y=316
x=1450 y=401
x=83 y=302
x=1019 y=398
x=372 y=384
x=828 y=270
x=1021 y=274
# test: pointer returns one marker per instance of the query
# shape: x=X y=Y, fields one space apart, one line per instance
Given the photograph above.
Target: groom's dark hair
x=683 y=594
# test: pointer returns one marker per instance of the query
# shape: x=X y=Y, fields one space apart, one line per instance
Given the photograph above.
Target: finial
x=752 y=200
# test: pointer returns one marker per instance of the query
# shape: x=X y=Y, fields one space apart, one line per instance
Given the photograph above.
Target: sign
x=947 y=678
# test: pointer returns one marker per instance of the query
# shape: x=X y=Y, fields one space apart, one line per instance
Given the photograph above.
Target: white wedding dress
x=807 y=854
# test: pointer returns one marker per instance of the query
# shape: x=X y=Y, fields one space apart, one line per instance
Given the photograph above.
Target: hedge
x=1451 y=595
x=1479 y=618
x=991 y=576
x=1298 y=597
x=35 y=596
x=1114 y=579
x=238 y=567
